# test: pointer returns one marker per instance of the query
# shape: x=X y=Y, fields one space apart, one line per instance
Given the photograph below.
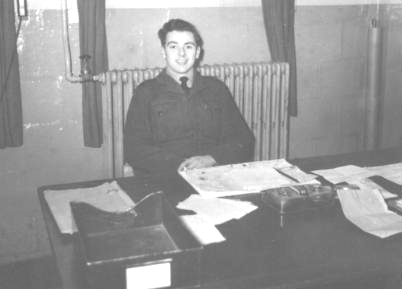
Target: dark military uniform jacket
x=166 y=125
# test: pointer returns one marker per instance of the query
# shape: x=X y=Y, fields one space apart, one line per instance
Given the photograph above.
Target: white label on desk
x=148 y=276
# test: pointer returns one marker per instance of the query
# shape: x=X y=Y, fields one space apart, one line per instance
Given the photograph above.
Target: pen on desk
x=283 y=174
x=184 y=212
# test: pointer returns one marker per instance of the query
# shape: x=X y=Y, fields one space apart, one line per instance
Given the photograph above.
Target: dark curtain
x=279 y=16
x=92 y=43
x=11 y=127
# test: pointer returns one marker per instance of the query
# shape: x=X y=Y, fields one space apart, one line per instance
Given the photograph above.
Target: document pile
x=360 y=176
x=108 y=197
x=366 y=207
x=228 y=180
x=244 y=178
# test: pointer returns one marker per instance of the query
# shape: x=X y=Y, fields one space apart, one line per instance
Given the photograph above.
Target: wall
x=52 y=151
x=331 y=55
x=332 y=46
x=331 y=50
x=391 y=124
x=240 y=38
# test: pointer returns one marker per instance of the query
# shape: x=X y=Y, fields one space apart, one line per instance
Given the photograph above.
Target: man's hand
x=197 y=162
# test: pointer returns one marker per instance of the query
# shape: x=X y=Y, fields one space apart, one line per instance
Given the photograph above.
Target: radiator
x=259 y=89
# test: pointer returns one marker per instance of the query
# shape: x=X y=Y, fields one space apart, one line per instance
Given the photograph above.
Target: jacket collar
x=172 y=85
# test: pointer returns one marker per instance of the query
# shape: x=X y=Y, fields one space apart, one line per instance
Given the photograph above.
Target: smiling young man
x=180 y=119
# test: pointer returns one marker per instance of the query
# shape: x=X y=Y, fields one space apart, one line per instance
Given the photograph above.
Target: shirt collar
x=173 y=85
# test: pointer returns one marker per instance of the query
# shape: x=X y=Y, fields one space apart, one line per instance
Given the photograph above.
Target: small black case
x=299 y=197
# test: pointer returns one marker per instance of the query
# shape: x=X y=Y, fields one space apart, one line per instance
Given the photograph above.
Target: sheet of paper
x=359 y=176
x=392 y=172
x=367 y=184
x=108 y=197
x=204 y=231
x=368 y=211
x=215 y=210
x=344 y=173
x=240 y=178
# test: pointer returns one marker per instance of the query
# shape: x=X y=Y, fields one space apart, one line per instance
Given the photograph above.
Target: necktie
x=183 y=81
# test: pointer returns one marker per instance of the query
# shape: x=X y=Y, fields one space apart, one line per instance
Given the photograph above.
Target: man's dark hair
x=179 y=25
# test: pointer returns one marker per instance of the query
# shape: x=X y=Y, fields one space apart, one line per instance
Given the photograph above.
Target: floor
x=31 y=274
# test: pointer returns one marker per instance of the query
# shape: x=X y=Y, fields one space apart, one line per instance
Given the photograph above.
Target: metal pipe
x=373 y=93
x=70 y=76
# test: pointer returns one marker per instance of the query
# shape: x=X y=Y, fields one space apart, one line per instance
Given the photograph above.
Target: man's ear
x=198 y=52
x=163 y=53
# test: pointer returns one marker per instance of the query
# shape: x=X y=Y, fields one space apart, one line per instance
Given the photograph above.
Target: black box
x=298 y=198
x=115 y=248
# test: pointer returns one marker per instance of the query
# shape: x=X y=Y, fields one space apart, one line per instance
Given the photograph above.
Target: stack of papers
x=108 y=197
x=360 y=176
x=366 y=207
x=348 y=173
x=214 y=182
x=245 y=178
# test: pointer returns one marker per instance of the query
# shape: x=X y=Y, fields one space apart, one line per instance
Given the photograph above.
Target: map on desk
x=244 y=178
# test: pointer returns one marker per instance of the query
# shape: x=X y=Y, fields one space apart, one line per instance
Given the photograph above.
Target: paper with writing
x=368 y=211
x=243 y=178
x=392 y=172
x=359 y=176
x=344 y=173
x=368 y=184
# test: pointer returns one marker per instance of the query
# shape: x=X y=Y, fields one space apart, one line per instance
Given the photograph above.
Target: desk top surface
x=315 y=247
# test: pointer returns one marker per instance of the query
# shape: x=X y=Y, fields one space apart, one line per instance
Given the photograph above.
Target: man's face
x=180 y=53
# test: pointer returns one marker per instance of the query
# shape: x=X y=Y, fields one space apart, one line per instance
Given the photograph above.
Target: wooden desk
x=312 y=250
